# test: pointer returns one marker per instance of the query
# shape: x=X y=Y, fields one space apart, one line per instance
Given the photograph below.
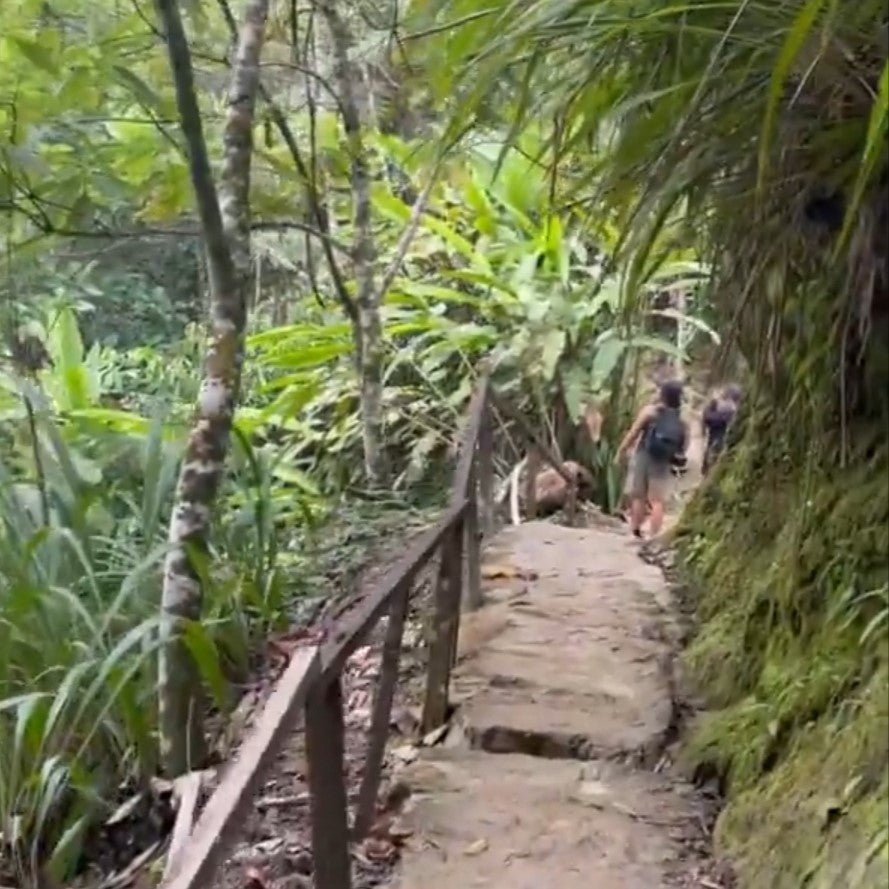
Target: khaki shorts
x=648 y=479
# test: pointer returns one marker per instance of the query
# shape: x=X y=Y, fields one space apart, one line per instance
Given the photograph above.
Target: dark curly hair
x=733 y=393
x=671 y=393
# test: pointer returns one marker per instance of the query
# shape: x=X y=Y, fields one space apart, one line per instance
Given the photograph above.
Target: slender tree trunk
x=225 y=224
x=349 y=81
x=681 y=333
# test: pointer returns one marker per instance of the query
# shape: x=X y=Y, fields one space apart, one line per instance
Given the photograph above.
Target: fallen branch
x=514 y=514
x=187 y=790
x=409 y=232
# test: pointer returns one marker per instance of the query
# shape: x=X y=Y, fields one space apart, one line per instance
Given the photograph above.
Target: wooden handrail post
x=444 y=630
x=571 y=503
x=325 y=751
x=485 y=470
x=382 y=712
x=532 y=468
x=206 y=847
x=472 y=545
x=456 y=591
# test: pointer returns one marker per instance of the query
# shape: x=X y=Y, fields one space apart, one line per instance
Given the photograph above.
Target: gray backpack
x=665 y=438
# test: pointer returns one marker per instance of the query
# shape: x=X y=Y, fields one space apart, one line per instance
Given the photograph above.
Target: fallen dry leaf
x=376 y=849
x=399 y=832
x=405 y=754
x=476 y=848
x=435 y=735
x=507 y=572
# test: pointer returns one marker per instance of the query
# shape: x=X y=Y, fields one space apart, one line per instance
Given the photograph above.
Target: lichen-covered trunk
x=370 y=332
x=226 y=231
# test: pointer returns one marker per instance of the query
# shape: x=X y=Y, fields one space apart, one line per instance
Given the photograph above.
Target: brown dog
x=551 y=489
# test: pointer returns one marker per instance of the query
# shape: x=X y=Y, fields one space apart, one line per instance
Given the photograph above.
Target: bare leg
x=657 y=516
x=637 y=515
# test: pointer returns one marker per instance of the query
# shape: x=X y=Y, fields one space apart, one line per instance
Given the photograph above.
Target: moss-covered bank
x=787 y=547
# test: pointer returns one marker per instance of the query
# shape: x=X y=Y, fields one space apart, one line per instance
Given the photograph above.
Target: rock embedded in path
x=576 y=666
x=567 y=661
x=517 y=822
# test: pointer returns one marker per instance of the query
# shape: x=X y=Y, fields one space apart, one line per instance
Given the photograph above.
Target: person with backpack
x=660 y=437
x=715 y=421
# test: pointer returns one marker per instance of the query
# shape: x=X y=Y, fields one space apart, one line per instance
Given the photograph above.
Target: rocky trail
x=556 y=766
x=556 y=770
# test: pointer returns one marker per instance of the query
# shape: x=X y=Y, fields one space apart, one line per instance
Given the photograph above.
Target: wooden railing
x=312 y=683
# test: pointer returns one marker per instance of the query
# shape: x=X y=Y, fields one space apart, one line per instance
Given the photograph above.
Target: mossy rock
x=788 y=560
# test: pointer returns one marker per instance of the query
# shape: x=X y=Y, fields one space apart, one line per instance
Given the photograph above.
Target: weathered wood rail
x=312 y=683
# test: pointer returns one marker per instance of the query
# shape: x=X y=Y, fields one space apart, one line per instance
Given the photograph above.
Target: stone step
x=516 y=822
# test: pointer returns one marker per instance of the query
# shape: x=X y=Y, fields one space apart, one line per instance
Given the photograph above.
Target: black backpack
x=665 y=438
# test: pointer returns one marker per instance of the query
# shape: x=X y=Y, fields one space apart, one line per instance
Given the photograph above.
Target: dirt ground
x=557 y=768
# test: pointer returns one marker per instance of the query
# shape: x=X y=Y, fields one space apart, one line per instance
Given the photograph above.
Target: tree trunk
x=370 y=331
x=681 y=333
x=226 y=231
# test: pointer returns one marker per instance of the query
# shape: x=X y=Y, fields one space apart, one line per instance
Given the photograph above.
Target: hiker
x=659 y=436
x=717 y=417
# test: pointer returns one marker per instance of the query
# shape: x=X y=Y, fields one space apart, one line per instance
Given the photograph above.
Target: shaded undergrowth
x=786 y=547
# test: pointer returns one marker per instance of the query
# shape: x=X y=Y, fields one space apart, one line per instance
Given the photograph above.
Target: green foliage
x=85 y=130
x=524 y=257
x=493 y=274
x=735 y=116
x=78 y=618
x=735 y=121
x=792 y=651
x=85 y=497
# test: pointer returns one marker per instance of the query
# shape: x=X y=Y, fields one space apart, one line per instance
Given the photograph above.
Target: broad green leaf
x=483 y=280
x=70 y=373
x=433 y=292
x=306 y=356
x=124 y=422
x=310 y=333
x=203 y=650
x=388 y=204
x=574 y=386
x=421 y=325
x=874 y=151
x=41 y=52
x=291 y=402
x=293 y=476
x=793 y=42
x=63 y=700
x=68 y=849
x=605 y=361
x=141 y=91
x=327 y=130
x=31 y=707
x=690 y=320
x=552 y=345
x=655 y=344
x=52 y=783
x=458 y=243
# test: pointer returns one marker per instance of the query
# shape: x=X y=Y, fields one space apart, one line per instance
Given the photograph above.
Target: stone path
x=565 y=705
